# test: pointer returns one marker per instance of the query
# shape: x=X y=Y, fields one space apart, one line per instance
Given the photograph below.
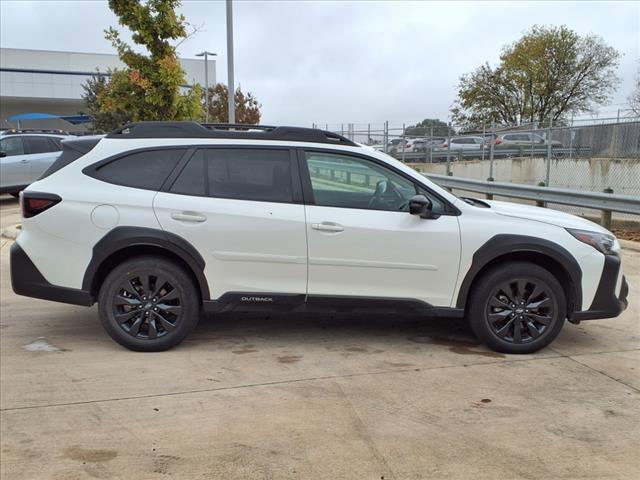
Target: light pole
x=206 y=54
x=232 y=90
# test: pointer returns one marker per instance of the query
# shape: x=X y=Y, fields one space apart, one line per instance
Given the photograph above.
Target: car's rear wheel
x=149 y=304
x=517 y=308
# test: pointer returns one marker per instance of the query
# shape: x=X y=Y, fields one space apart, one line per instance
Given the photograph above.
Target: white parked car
x=463 y=143
x=24 y=156
x=158 y=221
x=411 y=145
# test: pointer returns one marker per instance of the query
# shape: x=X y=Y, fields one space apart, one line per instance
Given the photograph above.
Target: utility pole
x=549 y=151
x=231 y=86
x=205 y=54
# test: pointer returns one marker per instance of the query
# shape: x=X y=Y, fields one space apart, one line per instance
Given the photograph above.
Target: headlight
x=603 y=242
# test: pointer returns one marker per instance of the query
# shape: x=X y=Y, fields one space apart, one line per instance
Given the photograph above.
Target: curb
x=12 y=232
x=630 y=245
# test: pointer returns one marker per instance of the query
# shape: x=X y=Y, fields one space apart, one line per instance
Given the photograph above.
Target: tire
x=517 y=308
x=168 y=312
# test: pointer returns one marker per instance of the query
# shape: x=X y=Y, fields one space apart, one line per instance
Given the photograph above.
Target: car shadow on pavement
x=350 y=328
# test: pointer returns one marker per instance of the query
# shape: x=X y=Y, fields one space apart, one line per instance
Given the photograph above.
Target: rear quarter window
x=146 y=169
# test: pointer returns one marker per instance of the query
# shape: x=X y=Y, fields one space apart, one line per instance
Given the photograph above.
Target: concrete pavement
x=314 y=397
x=9 y=212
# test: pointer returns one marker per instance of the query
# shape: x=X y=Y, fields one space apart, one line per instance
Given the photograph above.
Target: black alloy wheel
x=149 y=303
x=517 y=307
x=521 y=310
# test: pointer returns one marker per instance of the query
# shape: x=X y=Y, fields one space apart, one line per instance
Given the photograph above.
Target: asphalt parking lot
x=314 y=397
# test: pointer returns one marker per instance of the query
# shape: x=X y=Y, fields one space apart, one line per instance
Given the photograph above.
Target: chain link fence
x=593 y=155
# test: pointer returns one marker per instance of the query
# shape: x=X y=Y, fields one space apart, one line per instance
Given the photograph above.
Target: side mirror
x=422 y=206
x=3 y=154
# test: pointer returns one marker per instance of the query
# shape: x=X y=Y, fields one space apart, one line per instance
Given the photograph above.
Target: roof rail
x=237 y=126
x=14 y=131
x=225 y=130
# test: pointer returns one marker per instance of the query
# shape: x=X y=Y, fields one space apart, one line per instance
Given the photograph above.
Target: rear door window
x=238 y=173
x=146 y=169
x=38 y=145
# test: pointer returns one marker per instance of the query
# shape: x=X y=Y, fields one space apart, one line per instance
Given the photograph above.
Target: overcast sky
x=337 y=61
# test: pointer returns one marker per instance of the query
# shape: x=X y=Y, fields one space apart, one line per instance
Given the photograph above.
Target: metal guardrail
x=441 y=155
x=598 y=201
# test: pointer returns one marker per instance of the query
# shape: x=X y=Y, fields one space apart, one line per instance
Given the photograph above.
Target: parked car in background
x=526 y=139
x=409 y=145
x=463 y=143
x=25 y=155
x=395 y=145
x=414 y=145
x=392 y=145
x=506 y=140
x=424 y=145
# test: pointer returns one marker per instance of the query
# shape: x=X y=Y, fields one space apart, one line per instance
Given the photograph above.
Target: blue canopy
x=73 y=119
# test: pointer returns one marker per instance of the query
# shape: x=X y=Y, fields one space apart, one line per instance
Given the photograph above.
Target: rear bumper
x=27 y=280
x=606 y=304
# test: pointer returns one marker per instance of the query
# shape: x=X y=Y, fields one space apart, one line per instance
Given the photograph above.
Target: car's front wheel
x=148 y=304
x=517 y=308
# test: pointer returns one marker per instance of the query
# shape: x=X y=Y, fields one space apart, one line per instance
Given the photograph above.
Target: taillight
x=498 y=141
x=444 y=145
x=33 y=203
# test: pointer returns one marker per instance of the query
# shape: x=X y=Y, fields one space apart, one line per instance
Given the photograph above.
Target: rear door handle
x=327 y=227
x=188 y=217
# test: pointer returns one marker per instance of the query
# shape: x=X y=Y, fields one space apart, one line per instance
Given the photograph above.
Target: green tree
x=547 y=74
x=440 y=128
x=103 y=121
x=247 y=106
x=149 y=88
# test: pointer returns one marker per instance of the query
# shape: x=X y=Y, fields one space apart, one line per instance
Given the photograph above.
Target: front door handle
x=193 y=217
x=327 y=227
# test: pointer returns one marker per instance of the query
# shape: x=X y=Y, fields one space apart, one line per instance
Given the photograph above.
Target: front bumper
x=27 y=280
x=606 y=304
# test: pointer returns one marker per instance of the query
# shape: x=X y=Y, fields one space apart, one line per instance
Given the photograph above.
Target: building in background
x=43 y=81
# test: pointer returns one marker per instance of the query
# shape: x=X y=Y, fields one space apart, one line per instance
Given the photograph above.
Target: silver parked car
x=24 y=157
x=463 y=143
x=523 y=139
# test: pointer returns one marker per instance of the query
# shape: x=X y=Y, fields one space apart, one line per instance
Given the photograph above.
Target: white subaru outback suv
x=159 y=221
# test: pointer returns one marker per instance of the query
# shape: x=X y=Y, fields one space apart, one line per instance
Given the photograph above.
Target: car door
x=15 y=168
x=241 y=208
x=42 y=153
x=362 y=241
